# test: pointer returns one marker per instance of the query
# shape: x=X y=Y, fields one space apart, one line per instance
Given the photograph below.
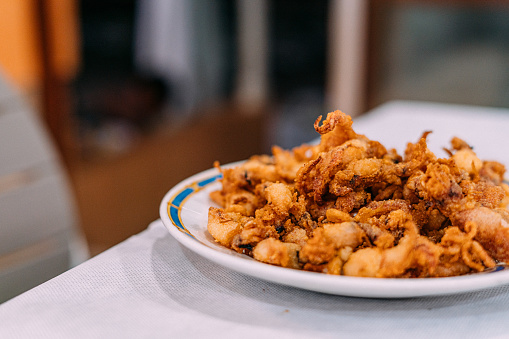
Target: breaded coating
x=349 y=206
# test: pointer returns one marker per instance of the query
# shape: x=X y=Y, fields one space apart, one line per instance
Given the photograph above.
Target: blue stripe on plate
x=209 y=180
x=174 y=215
x=175 y=205
x=177 y=201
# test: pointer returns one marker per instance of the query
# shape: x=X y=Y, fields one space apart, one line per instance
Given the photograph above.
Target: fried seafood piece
x=352 y=201
x=460 y=250
x=282 y=203
x=318 y=210
x=492 y=229
x=288 y=162
x=412 y=187
x=416 y=165
x=339 y=145
x=465 y=158
x=335 y=130
x=504 y=213
x=411 y=257
x=266 y=196
x=483 y=193
x=386 y=262
x=276 y=252
x=461 y=199
x=279 y=198
x=384 y=191
x=439 y=185
x=424 y=212
x=242 y=202
x=250 y=234
x=377 y=213
x=224 y=226
x=378 y=237
x=296 y=235
x=364 y=173
x=239 y=183
x=425 y=259
x=428 y=218
x=327 y=245
x=314 y=177
x=244 y=178
x=445 y=185
x=255 y=170
x=417 y=157
x=346 y=204
x=337 y=216
x=240 y=232
x=451 y=270
x=275 y=218
x=493 y=171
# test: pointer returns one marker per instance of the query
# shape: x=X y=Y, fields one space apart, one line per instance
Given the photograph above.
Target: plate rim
x=313 y=281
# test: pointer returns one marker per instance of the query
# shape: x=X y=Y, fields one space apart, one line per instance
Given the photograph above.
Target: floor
x=119 y=196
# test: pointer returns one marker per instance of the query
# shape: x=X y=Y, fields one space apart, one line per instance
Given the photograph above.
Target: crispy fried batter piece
x=349 y=206
x=387 y=262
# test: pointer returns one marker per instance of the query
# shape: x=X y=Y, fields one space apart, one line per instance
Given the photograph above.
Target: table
x=150 y=286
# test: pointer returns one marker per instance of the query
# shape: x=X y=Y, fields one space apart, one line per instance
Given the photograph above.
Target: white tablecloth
x=150 y=286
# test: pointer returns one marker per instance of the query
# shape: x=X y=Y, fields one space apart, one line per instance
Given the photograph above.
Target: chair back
x=39 y=232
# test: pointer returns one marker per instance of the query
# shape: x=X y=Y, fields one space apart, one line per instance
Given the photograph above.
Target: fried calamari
x=349 y=206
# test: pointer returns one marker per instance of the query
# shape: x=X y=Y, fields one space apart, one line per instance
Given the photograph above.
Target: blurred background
x=137 y=95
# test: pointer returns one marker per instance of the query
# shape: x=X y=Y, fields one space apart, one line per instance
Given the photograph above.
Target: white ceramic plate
x=184 y=209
